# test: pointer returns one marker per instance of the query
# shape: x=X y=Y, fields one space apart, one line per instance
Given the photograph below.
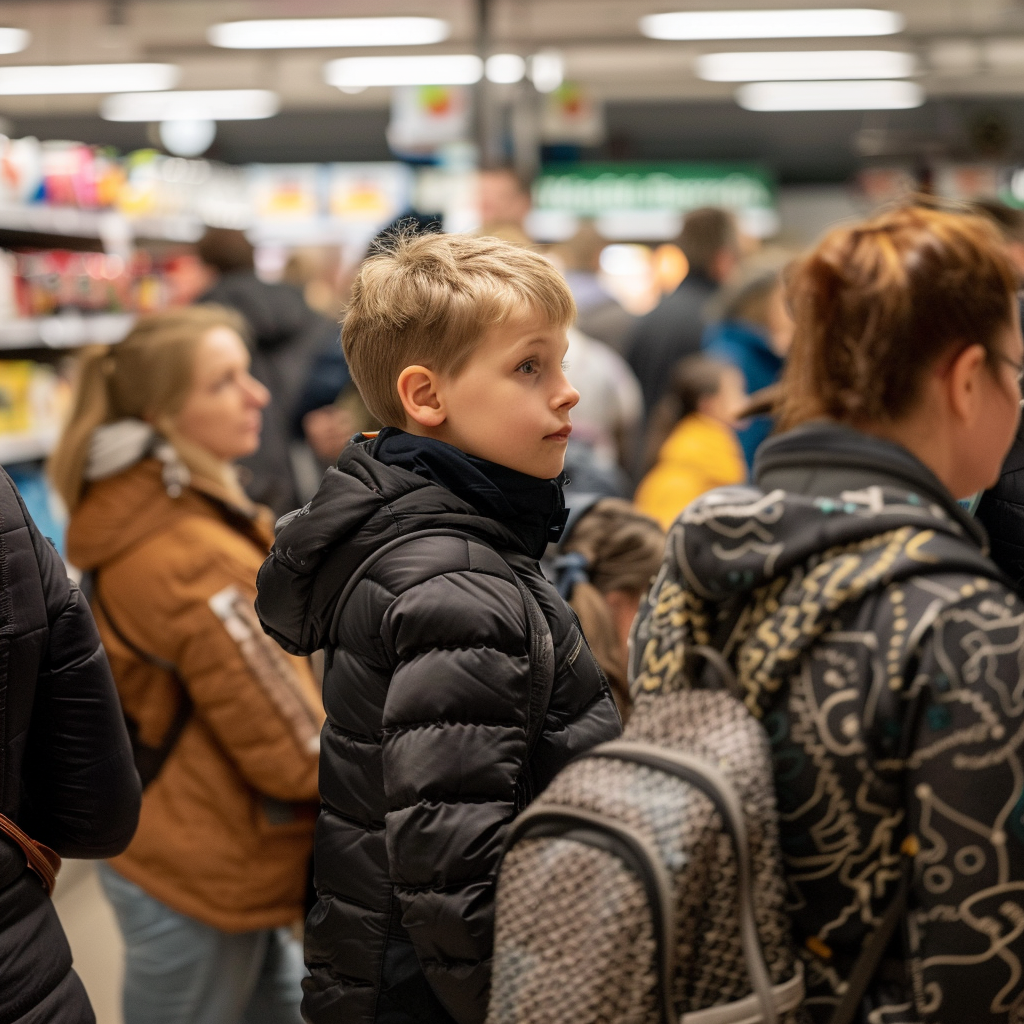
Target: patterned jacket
x=883 y=653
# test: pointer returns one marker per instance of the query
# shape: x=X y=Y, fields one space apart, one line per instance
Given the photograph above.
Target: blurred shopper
x=754 y=335
x=673 y=330
x=225 y=726
x=868 y=630
x=605 y=565
x=504 y=199
x=600 y=314
x=68 y=778
x=285 y=337
x=609 y=415
x=691 y=441
x=1001 y=509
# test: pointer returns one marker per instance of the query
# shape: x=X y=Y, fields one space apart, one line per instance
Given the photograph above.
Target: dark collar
x=828 y=458
x=531 y=508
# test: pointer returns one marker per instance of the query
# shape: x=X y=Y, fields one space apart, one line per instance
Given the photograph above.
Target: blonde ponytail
x=90 y=409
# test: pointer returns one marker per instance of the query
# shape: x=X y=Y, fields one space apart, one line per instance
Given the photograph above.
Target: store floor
x=95 y=941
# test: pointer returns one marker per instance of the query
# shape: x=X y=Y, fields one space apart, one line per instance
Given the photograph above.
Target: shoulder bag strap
x=149 y=760
x=41 y=859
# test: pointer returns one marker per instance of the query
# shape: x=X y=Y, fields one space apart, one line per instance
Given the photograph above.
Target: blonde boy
x=435 y=739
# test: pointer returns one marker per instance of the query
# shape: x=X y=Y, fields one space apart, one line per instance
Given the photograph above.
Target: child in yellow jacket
x=693 y=438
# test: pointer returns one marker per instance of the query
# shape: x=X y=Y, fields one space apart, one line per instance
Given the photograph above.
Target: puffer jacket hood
x=321 y=545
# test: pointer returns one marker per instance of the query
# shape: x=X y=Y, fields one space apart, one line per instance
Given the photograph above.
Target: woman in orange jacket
x=692 y=445
x=225 y=726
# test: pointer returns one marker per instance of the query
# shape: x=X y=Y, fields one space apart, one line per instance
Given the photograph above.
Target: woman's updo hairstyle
x=876 y=304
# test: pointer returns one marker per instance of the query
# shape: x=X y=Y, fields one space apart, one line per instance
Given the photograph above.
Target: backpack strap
x=149 y=760
x=540 y=644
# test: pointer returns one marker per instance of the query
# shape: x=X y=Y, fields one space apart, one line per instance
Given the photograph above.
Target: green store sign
x=592 y=189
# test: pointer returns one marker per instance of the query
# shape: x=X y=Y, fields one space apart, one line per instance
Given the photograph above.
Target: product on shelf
x=33 y=398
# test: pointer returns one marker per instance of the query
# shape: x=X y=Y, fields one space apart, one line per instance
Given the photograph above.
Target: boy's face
x=510 y=403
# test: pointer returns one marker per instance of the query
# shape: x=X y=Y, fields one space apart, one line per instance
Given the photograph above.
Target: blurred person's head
x=619 y=551
x=185 y=372
x=316 y=272
x=1010 y=222
x=582 y=252
x=226 y=250
x=187 y=277
x=758 y=297
x=504 y=197
x=710 y=242
x=462 y=339
x=906 y=327
x=700 y=385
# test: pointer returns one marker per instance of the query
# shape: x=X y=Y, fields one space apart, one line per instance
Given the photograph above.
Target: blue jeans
x=180 y=971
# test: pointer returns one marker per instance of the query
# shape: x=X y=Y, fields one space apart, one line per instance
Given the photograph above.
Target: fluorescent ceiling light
x=547 y=70
x=870 y=95
x=199 y=105
x=14 y=40
x=64 y=79
x=780 y=24
x=505 y=68
x=805 y=64
x=292 y=33
x=436 y=69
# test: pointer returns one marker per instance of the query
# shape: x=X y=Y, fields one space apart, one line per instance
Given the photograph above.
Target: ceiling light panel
x=869 y=95
x=296 y=33
x=805 y=64
x=14 y=40
x=65 y=79
x=194 y=105
x=777 y=24
x=505 y=68
x=435 y=69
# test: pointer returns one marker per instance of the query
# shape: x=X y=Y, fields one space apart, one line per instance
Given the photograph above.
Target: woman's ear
x=420 y=392
x=963 y=382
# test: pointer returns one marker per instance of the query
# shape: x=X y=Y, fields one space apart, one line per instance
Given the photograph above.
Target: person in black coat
x=675 y=327
x=67 y=777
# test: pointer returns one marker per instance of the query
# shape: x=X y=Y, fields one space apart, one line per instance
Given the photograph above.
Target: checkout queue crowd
x=358 y=725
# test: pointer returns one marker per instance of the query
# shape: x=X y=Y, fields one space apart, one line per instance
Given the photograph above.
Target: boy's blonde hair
x=428 y=299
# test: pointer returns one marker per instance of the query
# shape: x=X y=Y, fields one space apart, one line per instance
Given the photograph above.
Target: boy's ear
x=419 y=390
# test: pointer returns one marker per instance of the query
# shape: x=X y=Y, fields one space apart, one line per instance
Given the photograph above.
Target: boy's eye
x=530 y=366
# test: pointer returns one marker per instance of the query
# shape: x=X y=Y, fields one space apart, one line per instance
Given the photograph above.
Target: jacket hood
x=122 y=511
x=275 y=313
x=786 y=559
x=360 y=505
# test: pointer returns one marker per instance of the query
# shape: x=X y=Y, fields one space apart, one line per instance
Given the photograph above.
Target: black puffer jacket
x=67 y=776
x=426 y=690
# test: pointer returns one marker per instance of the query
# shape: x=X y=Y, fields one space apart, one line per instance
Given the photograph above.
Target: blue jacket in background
x=745 y=346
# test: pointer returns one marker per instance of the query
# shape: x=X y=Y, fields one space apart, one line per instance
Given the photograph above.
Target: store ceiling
x=970 y=59
x=964 y=47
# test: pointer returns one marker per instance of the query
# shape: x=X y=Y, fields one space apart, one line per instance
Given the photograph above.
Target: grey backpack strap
x=540 y=644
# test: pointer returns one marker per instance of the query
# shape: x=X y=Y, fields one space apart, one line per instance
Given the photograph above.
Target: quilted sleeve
x=83 y=793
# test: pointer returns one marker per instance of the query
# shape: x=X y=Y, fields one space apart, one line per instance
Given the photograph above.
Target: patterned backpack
x=645 y=884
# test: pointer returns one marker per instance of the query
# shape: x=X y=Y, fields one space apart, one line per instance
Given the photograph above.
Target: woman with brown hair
x=224 y=726
x=869 y=631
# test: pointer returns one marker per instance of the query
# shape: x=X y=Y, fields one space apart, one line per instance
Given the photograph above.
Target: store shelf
x=70 y=228
x=68 y=330
x=26 y=447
